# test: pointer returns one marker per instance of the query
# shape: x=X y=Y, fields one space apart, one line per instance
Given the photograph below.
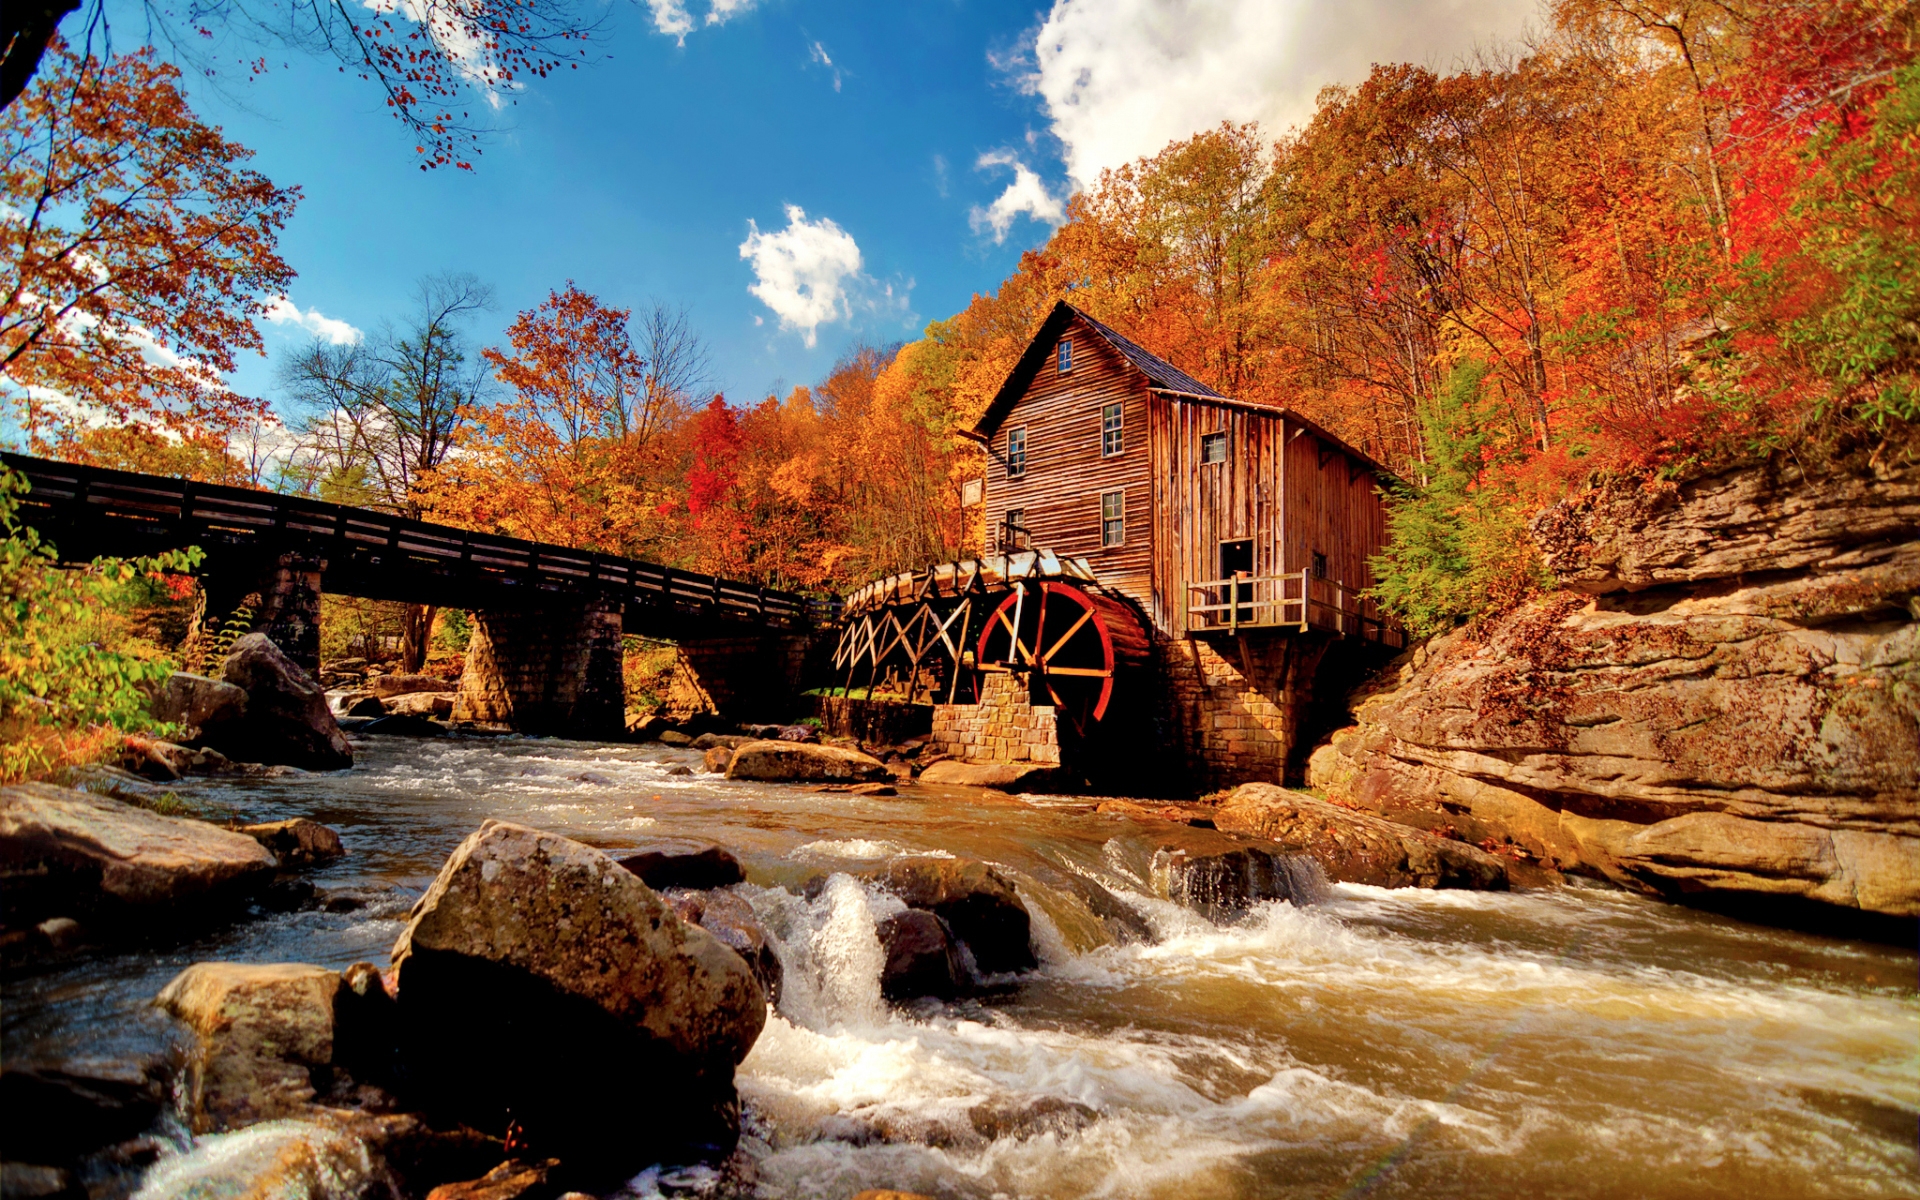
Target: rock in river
x=1354 y=846
x=539 y=978
x=1225 y=884
x=922 y=959
x=804 y=762
x=1007 y=777
x=976 y=901
x=677 y=864
x=197 y=704
x=298 y=842
x=260 y=1030
x=64 y=851
x=287 y=719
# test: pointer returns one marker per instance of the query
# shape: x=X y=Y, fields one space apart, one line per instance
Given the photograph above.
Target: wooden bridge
x=546 y=655
x=87 y=512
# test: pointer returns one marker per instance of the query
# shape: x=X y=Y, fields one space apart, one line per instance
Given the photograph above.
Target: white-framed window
x=1112 y=440
x=1063 y=356
x=1113 y=518
x=1016 y=452
x=1213 y=448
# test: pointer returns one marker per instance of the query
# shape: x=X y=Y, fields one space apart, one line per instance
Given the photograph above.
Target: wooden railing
x=1293 y=601
x=120 y=512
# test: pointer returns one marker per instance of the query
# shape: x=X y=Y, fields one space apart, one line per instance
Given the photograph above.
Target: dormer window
x=1064 y=356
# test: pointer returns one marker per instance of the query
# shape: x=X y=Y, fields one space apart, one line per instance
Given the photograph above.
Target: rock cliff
x=1722 y=703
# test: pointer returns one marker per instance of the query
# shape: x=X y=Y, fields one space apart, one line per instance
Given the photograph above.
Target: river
x=1575 y=1042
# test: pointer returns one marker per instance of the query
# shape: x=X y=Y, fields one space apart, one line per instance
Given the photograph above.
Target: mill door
x=1236 y=562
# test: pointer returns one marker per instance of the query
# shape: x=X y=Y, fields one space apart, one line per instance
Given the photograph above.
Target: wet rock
x=151 y=758
x=423 y=704
x=783 y=761
x=63 y=1114
x=673 y=737
x=286 y=1159
x=1198 y=816
x=287 y=718
x=260 y=1030
x=527 y=939
x=922 y=959
x=677 y=864
x=30 y=1181
x=1225 y=884
x=731 y=919
x=718 y=759
x=1007 y=777
x=366 y=1026
x=399 y=726
x=976 y=901
x=511 y=1180
x=198 y=704
x=289 y=893
x=1354 y=846
x=798 y=733
x=61 y=933
x=1030 y=1116
x=363 y=704
x=208 y=761
x=298 y=842
x=679 y=770
x=66 y=852
x=729 y=741
x=1123 y=922
x=388 y=687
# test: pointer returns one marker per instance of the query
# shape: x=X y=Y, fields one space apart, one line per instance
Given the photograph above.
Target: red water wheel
x=1069 y=642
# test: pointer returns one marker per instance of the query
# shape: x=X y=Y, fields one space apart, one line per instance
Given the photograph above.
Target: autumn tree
x=429 y=59
x=136 y=250
x=579 y=450
x=376 y=417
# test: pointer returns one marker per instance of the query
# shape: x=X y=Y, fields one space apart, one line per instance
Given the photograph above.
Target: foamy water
x=1582 y=1042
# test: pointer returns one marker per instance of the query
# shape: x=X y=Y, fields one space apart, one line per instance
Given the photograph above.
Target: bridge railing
x=101 y=500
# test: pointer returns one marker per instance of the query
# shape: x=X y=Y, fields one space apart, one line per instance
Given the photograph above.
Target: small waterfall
x=1225 y=886
x=830 y=952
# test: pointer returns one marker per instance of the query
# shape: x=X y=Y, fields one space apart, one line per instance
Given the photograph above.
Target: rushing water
x=1580 y=1042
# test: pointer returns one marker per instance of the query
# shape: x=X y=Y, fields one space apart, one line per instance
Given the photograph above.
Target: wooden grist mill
x=1167 y=571
x=931 y=636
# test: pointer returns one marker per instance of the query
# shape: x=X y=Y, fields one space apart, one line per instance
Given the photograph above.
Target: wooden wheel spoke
x=1068 y=635
x=1088 y=672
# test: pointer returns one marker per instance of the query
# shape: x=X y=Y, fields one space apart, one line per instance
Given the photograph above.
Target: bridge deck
x=91 y=511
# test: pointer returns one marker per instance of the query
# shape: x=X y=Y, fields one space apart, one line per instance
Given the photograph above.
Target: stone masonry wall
x=554 y=671
x=1235 y=706
x=1005 y=727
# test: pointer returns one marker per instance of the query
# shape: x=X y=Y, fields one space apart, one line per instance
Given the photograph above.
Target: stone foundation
x=553 y=671
x=1005 y=727
x=284 y=594
x=1234 y=706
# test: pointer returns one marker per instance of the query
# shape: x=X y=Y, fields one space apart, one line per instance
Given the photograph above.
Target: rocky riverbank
x=1722 y=706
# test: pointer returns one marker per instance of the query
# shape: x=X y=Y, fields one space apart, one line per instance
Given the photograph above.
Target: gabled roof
x=1159 y=372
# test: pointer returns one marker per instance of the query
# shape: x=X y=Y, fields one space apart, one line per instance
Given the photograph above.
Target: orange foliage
x=138 y=252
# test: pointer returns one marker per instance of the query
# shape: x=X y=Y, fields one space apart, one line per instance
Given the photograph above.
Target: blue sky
x=891 y=128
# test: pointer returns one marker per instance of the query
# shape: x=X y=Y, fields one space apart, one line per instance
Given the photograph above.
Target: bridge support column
x=553 y=670
x=747 y=678
x=282 y=593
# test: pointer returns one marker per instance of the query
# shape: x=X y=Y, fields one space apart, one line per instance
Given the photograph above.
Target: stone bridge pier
x=281 y=592
x=554 y=669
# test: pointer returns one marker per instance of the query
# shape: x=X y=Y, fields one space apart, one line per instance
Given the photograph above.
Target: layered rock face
x=1725 y=700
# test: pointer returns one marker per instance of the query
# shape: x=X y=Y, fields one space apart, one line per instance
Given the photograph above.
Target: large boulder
x=197 y=704
x=1007 y=777
x=260 y=1030
x=731 y=919
x=976 y=901
x=540 y=981
x=1724 y=706
x=1354 y=846
x=671 y=863
x=64 y=852
x=804 y=762
x=64 y=1113
x=287 y=719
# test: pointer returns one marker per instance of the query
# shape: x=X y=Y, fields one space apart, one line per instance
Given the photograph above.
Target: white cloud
x=672 y=18
x=803 y=271
x=818 y=53
x=1026 y=194
x=1122 y=78
x=285 y=312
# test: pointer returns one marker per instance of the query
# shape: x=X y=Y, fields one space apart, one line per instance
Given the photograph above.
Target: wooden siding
x=1066 y=474
x=1281 y=487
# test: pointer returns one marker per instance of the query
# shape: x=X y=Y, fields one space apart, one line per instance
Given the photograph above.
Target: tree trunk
x=24 y=32
x=416 y=631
